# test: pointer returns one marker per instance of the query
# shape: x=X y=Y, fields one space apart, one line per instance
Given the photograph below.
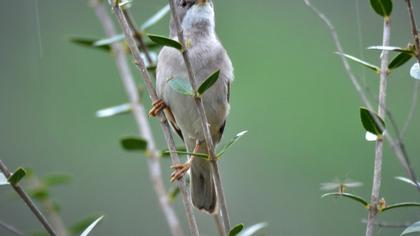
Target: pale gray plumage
x=207 y=55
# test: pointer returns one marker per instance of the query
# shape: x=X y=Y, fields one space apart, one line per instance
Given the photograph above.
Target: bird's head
x=196 y=15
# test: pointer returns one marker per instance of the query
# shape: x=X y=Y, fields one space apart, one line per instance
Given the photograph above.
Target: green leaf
x=368 y=121
x=17 y=176
x=87 y=42
x=409 y=50
x=91 y=226
x=39 y=194
x=400 y=60
x=55 y=206
x=134 y=144
x=382 y=7
x=155 y=18
x=210 y=81
x=105 y=43
x=236 y=230
x=355 y=59
x=173 y=193
x=405 y=54
x=78 y=227
x=152 y=45
x=164 y=41
x=414 y=228
x=152 y=68
x=202 y=155
x=407 y=180
x=181 y=86
x=113 y=111
x=399 y=205
x=348 y=195
x=415 y=71
x=167 y=153
x=126 y=4
x=56 y=179
x=231 y=142
x=252 y=230
x=108 y=41
x=3 y=179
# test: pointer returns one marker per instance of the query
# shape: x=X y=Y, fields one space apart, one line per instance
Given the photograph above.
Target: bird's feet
x=180 y=170
x=157 y=107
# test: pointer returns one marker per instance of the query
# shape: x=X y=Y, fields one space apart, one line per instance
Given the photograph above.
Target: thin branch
x=204 y=123
x=219 y=224
x=414 y=29
x=377 y=172
x=10 y=228
x=396 y=146
x=131 y=89
x=417 y=47
x=138 y=36
x=28 y=201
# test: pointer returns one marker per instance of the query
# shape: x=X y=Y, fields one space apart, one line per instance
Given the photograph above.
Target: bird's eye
x=186 y=4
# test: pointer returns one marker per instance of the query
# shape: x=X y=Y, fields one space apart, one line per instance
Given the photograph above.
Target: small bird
x=207 y=55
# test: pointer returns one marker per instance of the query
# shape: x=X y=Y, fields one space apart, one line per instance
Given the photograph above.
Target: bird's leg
x=181 y=169
x=157 y=107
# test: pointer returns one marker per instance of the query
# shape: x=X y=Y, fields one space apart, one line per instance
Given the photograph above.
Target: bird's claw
x=180 y=170
x=157 y=107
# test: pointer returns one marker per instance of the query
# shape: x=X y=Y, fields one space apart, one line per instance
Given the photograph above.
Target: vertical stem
x=219 y=223
x=143 y=124
x=132 y=92
x=28 y=201
x=204 y=123
x=414 y=29
x=377 y=173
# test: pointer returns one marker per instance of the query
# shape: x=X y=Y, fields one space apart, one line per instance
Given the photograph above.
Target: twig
x=396 y=146
x=132 y=92
x=414 y=29
x=10 y=228
x=138 y=36
x=219 y=224
x=28 y=201
x=417 y=52
x=143 y=124
x=204 y=122
x=377 y=172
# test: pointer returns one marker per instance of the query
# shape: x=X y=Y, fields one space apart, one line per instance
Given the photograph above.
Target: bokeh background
x=290 y=92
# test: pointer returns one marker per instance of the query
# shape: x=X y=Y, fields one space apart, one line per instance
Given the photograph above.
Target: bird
x=207 y=55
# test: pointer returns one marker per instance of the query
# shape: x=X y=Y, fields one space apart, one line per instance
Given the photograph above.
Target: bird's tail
x=203 y=192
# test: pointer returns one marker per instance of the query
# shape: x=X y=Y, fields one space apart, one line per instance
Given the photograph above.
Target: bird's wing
x=172 y=121
x=222 y=128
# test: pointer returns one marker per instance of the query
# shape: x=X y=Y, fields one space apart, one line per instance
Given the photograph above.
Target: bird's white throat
x=199 y=14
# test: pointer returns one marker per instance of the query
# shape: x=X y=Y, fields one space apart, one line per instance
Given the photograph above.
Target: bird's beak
x=201 y=2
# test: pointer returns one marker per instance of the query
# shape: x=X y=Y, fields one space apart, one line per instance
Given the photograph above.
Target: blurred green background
x=290 y=92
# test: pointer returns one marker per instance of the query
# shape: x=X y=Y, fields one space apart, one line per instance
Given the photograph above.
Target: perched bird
x=207 y=55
